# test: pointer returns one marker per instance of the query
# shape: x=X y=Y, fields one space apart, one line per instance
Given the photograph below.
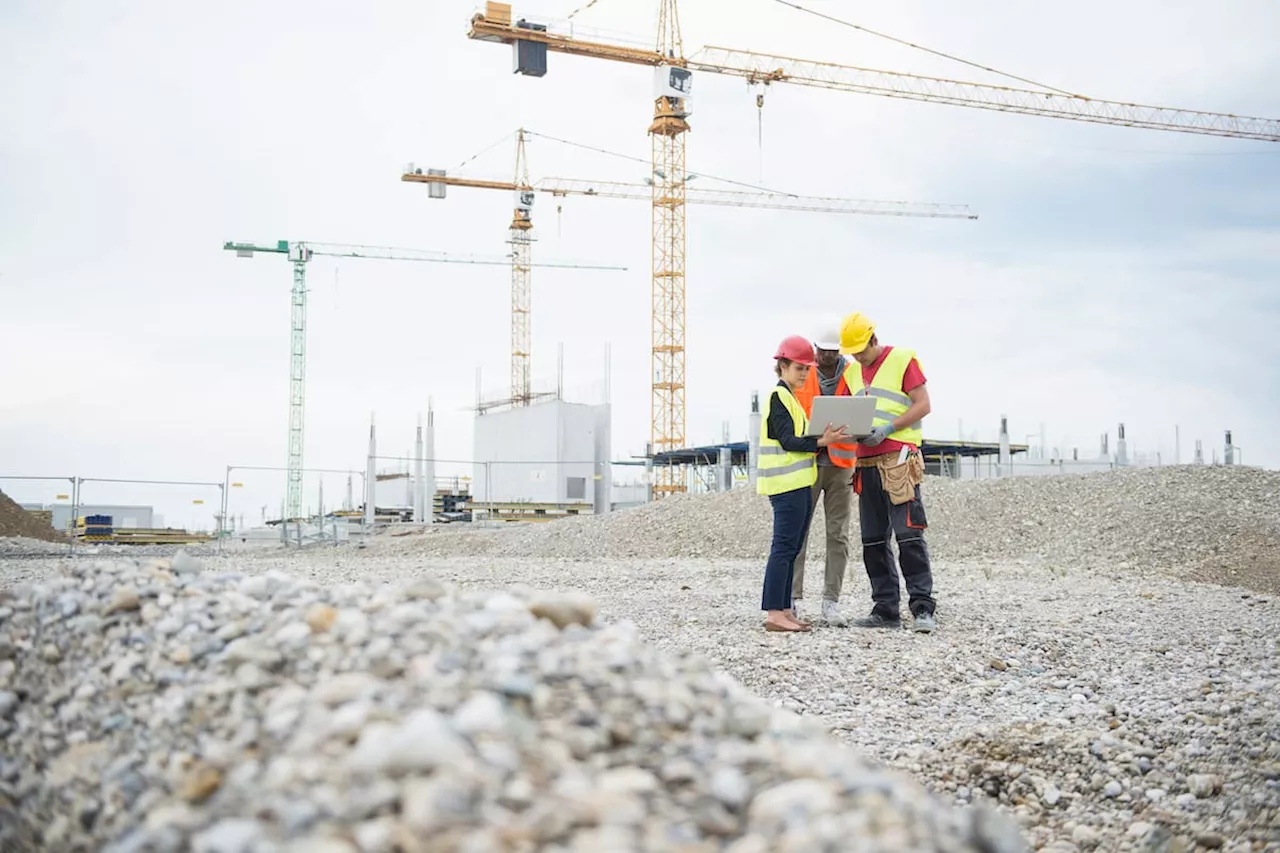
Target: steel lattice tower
x=667 y=134
x=297 y=382
x=521 y=285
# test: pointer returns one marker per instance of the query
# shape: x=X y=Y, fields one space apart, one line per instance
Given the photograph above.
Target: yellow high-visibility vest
x=780 y=470
x=886 y=387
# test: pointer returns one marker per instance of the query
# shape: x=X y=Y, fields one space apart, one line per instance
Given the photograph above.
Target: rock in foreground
x=146 y=709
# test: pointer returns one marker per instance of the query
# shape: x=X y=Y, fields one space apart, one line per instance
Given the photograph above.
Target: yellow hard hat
x=855 y=333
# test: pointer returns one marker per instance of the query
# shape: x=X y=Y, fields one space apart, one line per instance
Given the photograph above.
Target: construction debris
x=148 y=709
x=1219 y=524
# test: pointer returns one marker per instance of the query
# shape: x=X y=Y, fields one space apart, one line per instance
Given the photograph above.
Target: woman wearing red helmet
x=786 y=471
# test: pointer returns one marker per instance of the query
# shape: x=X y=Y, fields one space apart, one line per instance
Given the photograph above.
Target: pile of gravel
x=18 y=546
x=161 y=707
x=16 y=521
x=1213 y=523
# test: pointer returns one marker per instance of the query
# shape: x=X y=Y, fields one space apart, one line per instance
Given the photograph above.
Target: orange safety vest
x=843 y=454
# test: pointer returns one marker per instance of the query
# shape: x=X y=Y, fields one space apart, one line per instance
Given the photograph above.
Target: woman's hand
x=831 y=435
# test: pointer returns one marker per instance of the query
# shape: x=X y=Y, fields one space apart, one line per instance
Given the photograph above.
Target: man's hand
x=878 y=434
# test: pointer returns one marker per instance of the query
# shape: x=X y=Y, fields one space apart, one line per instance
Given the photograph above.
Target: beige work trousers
x=836 y=487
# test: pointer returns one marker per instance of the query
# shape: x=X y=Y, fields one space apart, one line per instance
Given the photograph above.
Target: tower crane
x=299 y=253
x=531 y=41
x=437 y=181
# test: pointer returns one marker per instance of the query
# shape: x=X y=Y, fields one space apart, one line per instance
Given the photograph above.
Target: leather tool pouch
x=900 y=481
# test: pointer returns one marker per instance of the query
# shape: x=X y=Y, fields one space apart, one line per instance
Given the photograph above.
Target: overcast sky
x=1114 y=274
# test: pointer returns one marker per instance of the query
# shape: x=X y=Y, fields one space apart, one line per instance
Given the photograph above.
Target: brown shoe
x=790 y=627
x=791 y=615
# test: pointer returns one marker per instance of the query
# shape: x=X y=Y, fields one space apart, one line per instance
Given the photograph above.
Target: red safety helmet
x=797 y=349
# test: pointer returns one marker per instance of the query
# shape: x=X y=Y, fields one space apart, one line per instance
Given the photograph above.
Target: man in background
x=834 y=484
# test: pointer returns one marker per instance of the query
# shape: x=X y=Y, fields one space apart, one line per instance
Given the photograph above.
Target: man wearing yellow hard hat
x=888 y=474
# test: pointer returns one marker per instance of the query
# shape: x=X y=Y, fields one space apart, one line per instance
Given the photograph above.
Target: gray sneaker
x=924 y=623
x=831 y=614
x=875 y=620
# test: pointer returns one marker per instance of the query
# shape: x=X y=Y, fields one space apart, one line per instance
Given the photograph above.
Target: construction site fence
x=990 y=467
x=92 y=512
x=584 y=481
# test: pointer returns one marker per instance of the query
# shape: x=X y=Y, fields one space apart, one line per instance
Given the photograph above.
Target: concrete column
x=371 y=477
x=1005 y=456
x=753 y=439
x=429 y=476
x=419 y=486
x=602 y=456
x=648 y=472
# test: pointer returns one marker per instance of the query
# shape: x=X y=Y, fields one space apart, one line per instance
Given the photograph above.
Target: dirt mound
x=16 y=521
x=1218 y=524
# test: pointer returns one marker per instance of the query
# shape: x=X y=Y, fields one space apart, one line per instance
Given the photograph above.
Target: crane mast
x=521 y=286
x=299 y=254
x=667 y=135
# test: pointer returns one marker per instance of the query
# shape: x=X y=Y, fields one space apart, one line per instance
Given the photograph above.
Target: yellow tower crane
x=437 y=181
x=531 y=41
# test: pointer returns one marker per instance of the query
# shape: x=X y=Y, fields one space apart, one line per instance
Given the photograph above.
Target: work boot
x=924 y=623
x=831 y=614
x=875 y=620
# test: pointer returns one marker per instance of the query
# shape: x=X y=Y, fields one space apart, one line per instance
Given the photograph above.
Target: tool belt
x=898 y=480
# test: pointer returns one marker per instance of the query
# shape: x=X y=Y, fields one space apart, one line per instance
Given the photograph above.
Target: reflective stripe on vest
x=841 y=454
x=780 y=470
x=886 y=387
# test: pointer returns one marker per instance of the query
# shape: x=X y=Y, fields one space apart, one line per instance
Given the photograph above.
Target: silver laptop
x=856 y=414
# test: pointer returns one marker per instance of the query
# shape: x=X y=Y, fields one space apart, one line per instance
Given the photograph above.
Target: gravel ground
x=1099 y=699
x=1103 y=710
x=160 y=706
x=1219 y=524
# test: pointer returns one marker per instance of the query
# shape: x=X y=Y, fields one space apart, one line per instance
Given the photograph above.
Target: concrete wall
x=626 y=495
x=549 y=452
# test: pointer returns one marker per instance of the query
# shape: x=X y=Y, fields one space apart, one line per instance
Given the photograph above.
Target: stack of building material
x=96 y=528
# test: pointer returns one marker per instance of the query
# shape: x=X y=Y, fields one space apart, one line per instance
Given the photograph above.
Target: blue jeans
x=791 y=513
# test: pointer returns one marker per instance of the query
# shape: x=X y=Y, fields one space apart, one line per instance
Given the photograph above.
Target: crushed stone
x=144 y=708
x=1214 y=523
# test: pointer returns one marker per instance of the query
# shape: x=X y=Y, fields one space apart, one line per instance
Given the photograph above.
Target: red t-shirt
x=913 y=377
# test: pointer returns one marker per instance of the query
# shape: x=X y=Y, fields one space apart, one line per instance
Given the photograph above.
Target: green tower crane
x=299 y=253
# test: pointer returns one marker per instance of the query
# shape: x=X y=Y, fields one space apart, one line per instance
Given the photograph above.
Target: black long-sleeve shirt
x=782 y=430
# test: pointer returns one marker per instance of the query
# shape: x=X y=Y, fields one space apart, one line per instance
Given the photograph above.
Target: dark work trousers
x=791 y=513
x=878 y=517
